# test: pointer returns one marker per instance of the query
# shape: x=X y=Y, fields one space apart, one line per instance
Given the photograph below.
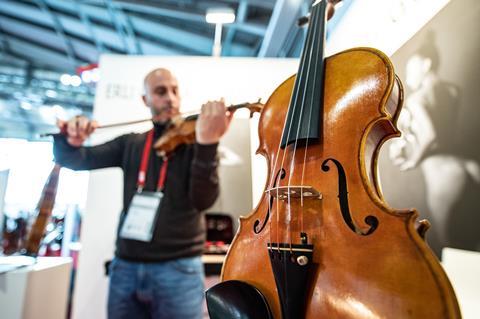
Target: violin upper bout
x=363 y=99
x=395 y=101
x=272 y=117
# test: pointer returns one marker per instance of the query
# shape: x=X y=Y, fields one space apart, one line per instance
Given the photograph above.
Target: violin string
x=277 y=156
x=277 y=176
x=304 y=95
x=323 y=16
x=305 y=67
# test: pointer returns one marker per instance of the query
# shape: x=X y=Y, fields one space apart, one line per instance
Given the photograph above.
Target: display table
x=36 y=291
x=463 y=269
x=213 y=264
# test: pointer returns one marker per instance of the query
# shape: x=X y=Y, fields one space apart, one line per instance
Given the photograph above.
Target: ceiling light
x=75 y=80
x=25 y=105
x=66 y=79
x=86 y=76
x=220 y=15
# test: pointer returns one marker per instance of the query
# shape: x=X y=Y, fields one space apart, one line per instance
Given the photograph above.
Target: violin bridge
x=295 y=192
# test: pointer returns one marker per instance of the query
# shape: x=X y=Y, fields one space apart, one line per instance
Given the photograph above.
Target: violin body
x=182 y=130
x=180 y=133
x=359 y=268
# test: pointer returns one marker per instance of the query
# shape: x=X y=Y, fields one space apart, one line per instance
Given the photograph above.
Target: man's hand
x=77 y=129
x=213 y=122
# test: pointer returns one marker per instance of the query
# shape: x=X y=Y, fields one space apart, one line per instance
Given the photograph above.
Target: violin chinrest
x=235 y=299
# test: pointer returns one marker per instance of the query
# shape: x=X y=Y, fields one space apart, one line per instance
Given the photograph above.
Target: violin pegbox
x=255 y=107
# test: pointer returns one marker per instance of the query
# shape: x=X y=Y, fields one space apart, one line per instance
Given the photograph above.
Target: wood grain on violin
x=323 y=209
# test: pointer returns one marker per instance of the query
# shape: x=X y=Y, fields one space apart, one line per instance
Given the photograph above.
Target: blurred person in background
x=157 y=271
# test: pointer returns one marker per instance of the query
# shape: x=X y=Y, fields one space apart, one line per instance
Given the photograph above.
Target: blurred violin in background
x=180 y=131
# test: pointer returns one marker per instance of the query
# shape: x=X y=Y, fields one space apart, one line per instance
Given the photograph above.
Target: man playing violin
x=157 y=271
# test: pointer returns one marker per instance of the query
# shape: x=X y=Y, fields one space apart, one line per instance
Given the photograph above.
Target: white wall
x=119 y=99
x=382 y=24
x=235 y=171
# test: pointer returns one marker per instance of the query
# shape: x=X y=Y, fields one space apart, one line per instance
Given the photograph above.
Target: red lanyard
x=142 y=174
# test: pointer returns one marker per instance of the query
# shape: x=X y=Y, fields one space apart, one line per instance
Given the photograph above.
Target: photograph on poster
x=435 y=166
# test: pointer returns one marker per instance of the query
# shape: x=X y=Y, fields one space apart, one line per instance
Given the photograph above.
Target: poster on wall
x=435 y=165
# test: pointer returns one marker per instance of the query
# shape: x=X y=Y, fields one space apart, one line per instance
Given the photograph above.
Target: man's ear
x=144 y=98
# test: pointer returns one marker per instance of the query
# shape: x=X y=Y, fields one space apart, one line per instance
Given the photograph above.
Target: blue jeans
x=172 y=289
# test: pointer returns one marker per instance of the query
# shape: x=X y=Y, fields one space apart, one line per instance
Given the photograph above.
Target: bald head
x=157 y=73
x=161 y=94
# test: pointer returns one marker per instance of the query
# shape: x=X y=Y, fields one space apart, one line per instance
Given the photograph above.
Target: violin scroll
x=254 y=107
x=302 y=21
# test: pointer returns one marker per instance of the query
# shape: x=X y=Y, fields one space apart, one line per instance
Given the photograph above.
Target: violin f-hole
x=370 y=220
x=280 y=174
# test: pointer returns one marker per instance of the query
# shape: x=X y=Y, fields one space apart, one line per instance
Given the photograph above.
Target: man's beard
x=156 y=114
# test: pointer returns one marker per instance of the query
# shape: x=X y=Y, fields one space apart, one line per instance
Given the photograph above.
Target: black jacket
x=191 y=186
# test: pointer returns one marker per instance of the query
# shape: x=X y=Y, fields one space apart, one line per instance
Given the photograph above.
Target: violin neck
x=305 y=110
x=230 y=108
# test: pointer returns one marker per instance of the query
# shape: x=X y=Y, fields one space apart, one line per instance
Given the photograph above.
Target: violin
x=44 y=208
x=182 y=129
x=322 y=242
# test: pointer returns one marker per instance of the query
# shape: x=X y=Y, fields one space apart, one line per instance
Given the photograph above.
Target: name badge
x=139 y=223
